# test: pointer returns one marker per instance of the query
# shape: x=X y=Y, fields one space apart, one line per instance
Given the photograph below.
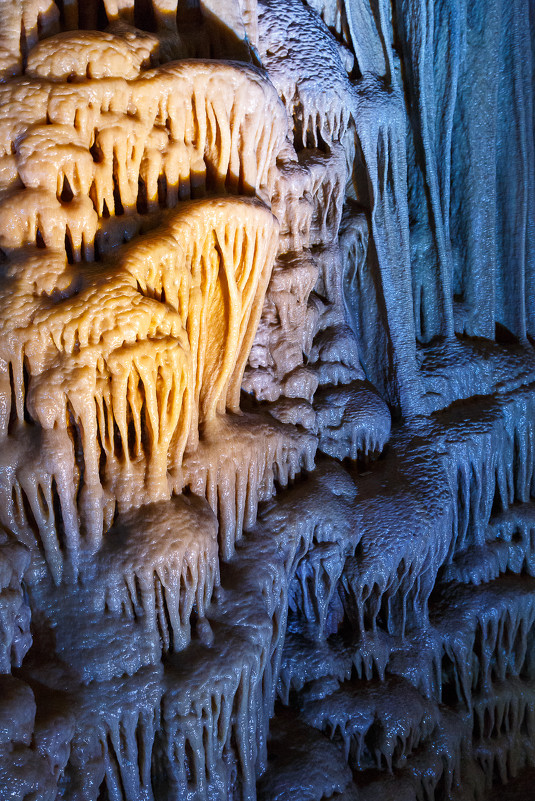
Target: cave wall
x=267 y=394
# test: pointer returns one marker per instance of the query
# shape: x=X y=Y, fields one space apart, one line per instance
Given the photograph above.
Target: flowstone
x=267 y=396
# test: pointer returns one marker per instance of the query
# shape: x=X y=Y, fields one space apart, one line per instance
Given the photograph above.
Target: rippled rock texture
x=267 y=400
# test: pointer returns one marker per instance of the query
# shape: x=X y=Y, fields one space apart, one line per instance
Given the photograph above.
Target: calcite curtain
x=267 y=400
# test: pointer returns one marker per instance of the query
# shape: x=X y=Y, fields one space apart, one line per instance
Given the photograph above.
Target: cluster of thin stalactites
x=111 y=368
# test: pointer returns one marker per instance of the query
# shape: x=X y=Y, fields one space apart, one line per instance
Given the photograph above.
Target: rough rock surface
x=267 y=400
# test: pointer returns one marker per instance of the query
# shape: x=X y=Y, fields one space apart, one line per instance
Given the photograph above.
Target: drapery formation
x=267 y=391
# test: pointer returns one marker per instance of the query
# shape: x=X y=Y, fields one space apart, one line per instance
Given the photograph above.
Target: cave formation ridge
x=267 y=395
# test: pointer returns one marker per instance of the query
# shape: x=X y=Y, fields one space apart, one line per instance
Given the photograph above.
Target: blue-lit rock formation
x=267 y=400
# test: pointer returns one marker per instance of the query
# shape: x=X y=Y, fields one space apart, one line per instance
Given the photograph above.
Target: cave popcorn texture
x=267 y=394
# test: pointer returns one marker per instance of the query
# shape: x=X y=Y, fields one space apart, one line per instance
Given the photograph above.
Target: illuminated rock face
x=267 y=396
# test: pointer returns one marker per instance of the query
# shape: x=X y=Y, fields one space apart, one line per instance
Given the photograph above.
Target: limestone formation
x=267 y=397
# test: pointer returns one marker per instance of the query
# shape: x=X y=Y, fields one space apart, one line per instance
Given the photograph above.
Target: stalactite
x=300 y=753
x=290 y=59
x=237 y=480
x=158 y=566
x=214 y=277
x=198 y=121
x=362 y=714
x=285 y=331
x=15 y=637
x=22 y=23
x=334 y=16
x=120 y=341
